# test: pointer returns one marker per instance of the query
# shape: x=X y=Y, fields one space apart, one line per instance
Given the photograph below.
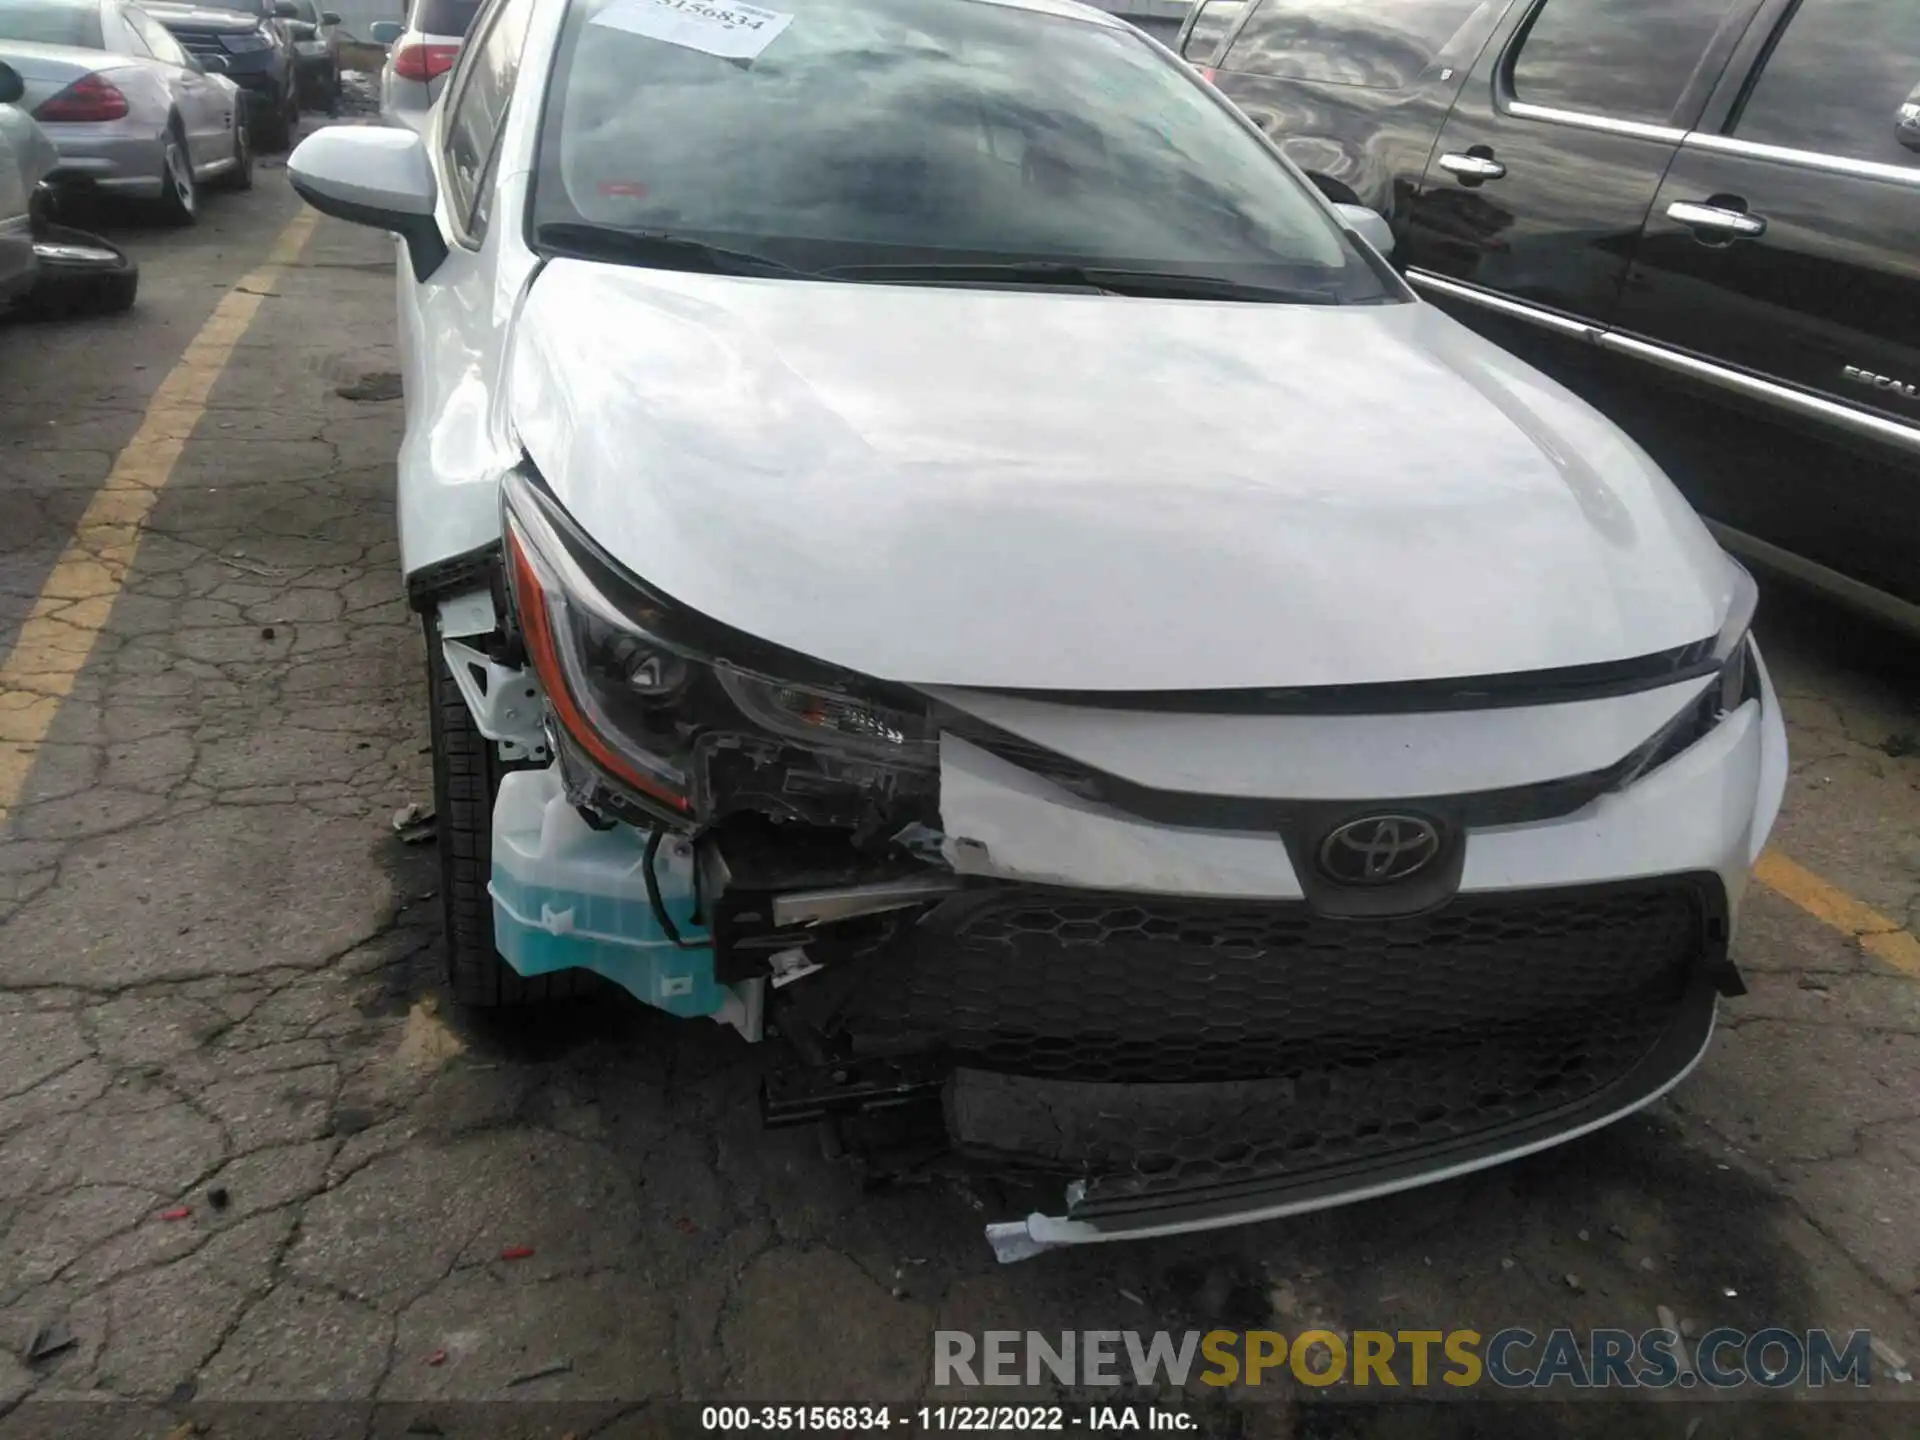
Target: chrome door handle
x=1472 y=167
x=1715 y=218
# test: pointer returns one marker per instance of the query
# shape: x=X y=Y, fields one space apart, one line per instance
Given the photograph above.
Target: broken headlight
x=687 y=721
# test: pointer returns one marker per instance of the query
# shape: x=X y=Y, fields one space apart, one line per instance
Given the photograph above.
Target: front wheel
x=466 y=778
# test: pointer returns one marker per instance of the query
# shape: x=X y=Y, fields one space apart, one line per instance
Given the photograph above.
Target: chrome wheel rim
x=181 y=175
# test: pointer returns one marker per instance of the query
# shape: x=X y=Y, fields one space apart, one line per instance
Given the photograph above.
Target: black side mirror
x=1907 y=127
x=12 y=87
x=329 y=17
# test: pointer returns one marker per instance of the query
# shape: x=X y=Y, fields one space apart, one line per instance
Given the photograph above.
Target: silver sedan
x=131 y=112
x=25 y=157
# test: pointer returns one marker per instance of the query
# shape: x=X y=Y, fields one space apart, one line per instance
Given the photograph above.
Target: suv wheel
x=276 y=129
x=466 y=777
x=240 y=177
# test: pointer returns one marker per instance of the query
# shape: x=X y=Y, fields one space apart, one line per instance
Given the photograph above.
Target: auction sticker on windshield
x=726 y=28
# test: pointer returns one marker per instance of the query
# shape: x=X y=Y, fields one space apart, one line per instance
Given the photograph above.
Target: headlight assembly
x=1739 y=681
x=685 y=720
x=1736 y=681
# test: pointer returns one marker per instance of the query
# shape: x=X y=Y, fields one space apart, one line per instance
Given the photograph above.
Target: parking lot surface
x=220 y=992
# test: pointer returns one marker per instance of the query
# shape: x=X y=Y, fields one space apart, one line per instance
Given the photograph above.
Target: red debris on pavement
x=516 y=1252
x=438 y=1357
x=686 y=1226
x=178 y=1212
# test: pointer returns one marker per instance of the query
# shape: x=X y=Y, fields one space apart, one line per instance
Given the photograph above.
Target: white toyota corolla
x=937 y=545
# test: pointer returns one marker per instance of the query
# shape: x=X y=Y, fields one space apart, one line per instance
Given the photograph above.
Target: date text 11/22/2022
x=923 y=1419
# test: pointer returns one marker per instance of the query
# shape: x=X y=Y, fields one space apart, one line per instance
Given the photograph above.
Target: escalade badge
x=1904 y=388
x=1379 y=849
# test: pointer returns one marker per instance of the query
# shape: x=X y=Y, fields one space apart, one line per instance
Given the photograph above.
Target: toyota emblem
x=1379 y=849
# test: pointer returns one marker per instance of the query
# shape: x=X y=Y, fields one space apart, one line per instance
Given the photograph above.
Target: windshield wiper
x=656 y=248
x=1169 y=284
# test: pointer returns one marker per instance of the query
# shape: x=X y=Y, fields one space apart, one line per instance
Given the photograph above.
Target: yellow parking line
x=1880 y=937
x=72 y=608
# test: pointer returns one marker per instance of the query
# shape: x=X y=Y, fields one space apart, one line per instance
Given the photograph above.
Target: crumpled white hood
x=1066 y=491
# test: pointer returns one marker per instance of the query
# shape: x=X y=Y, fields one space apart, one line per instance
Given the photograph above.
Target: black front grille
x=1134 y=990
x=1131 y=1143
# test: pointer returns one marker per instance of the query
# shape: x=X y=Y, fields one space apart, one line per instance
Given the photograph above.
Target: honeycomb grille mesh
x=1060 y=985
x=1135 y=1141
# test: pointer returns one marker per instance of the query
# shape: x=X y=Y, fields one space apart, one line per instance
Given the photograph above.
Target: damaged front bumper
x=1183 y=1062
x=1092 y=1219
x=1092 y=972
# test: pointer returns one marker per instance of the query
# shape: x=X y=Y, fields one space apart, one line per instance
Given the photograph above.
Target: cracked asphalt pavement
x=249 y=1151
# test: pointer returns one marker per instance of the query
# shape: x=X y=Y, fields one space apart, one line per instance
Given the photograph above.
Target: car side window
x=480 y=109
x=1622 y=59
x=157 y=37
x=1211 y=22
x=1382 y=44
x=1836 y=80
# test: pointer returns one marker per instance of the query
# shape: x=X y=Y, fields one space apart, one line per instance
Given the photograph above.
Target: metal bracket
x=745 y=1009
x=505 y=703
x=469 y=613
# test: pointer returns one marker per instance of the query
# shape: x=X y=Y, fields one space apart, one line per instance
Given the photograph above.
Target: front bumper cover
x=1216 y=1207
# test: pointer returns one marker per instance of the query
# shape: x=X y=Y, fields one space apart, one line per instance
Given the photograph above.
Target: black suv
x=255 y=41
x=1700 y=214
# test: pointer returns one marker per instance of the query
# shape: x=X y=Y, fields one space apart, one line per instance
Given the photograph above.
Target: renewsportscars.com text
x=1513 y=1358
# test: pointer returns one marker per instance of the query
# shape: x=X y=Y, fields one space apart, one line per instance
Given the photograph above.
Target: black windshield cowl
x=654 y=248
x=1110 y=280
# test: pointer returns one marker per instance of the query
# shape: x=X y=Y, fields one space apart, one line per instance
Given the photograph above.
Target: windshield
x=77 y=25
x=910 y=133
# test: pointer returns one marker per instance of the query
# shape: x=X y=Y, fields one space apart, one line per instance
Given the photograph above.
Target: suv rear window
x=445 y=17
x=1381 y=44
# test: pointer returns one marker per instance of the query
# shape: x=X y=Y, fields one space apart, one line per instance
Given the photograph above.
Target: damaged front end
x=721 y=818
x=1175 y=1026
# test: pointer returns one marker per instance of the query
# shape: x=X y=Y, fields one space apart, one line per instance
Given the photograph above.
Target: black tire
x=110 y=294
x=179 y=202
x=278 y=124
x=71 y=296
x=240 y=177
x=66 y=290
x=466 y=777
